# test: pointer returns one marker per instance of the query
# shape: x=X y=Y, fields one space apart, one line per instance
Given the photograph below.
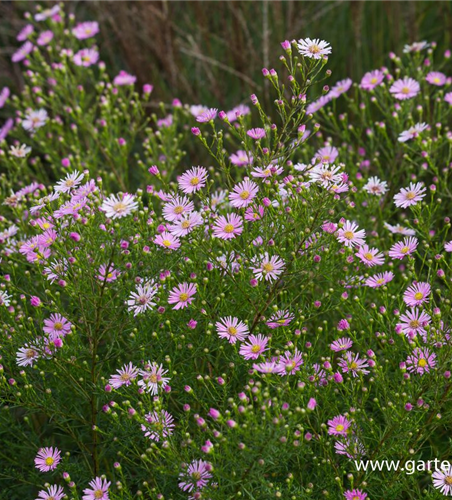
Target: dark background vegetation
x=213 y=52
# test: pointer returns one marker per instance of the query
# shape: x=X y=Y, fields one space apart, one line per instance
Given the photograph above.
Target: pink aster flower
x=26 y=355
x=22 y=52
x=448 y=98
x=255 y=346
x=403 y=248
x=124 y=376
x=350 y=235
x=34 y=120
x=327 y=154
x=238 y=111
x=45 y=38
x=182 y=295
x=123 y=78
x=376 y=186
x=47 y=13
x=47 y=459
x=314 y=49
x=370 y=256
x=196 y=476
x=405 y=89
x=350 y=446
x=159 y=425
x=352 y=363
x=153 y=378
x=412 y=132
x=85 y=30
x=98 y=490
x=448 y=246
x=253 y=214
x=355 y=495
x=265 y=172
x=207 y=116
x=417 y=294
x=268 y=267
x=57 y=326
x=409 y=196
x=266 y=366
x=436 y=78
x=186 y=224
x=25 y=32
x=53 y=492
x=398 y=229
x=421 y=361
x=326 y=175
x=232 y=329
x=241 y=159
x=176 y=208
x=167 y=240
x=193 y=180
x=108 y=274
x=340 y=88
x=414 y=322
x=289 y=363
x=117 y=206
x=379 y=279
x=86 y=57
x=342 y=344
x=339 y=426
x=243 y=193
x=442 y=480
x=319 y=104
x=280 y=318
x=228 y=227
x=372 y=79
x=256 y=133
x=142 y=298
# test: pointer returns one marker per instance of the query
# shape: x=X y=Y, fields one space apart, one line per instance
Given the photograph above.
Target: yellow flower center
x=178 y=210
x=419 y=296
x=185 y=224
x=153 y=378
x=196 y=475
x=368 y=256
x=374 y=80
x=448 y=480
x=410 y=195
x=314 y=49
x=58 y=326
x=119 y=207
x=405 y=90
x=255 y=348
x=422 y=362
x=166 y=243
x=268 y=267
x=98 y=494
x=125 y=377
x=232 y=331
x=244 y=195
x=348 y=235
x=353 y=365
x=183 y=297
x=228 y=228
x=436 y=80
x=30 y=353
x=194 y=181
x=49 y=461
x=415 y=323
x=404 y=250
x=339 y=427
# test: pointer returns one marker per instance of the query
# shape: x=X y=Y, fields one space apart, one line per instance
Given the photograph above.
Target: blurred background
x=212 y=52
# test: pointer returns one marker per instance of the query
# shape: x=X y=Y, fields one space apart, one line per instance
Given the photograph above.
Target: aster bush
x=219 y=305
